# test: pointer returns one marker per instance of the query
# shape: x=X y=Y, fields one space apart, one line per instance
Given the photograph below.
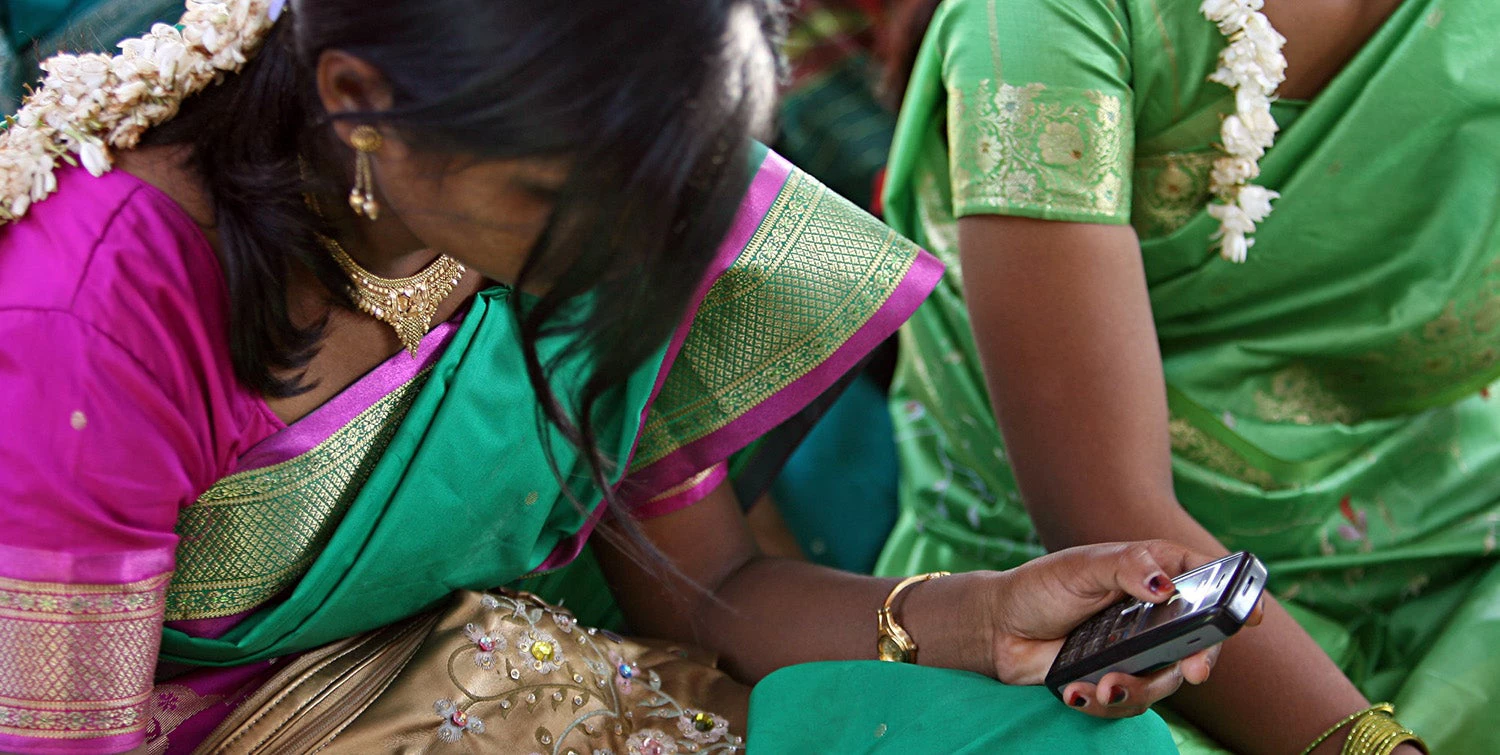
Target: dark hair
x=902 y=43
x=634 y=93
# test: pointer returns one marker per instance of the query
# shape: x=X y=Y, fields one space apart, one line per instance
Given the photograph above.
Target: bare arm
x=760 y=613
x=1063 y=324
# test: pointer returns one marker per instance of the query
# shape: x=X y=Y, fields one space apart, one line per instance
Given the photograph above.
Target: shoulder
x=120 y=257
x=132 y=294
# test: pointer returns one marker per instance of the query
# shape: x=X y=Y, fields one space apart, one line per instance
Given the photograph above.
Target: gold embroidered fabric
x=76 y=660
x=814 y=272
x=1169 y=190
x=500 y=673
x=1052 y=152
x=1298 y=396
x=254 y=533
x=1192 y=444
x=1460 y=346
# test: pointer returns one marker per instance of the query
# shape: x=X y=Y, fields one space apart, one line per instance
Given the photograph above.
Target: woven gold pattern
x=814 y=272
x=1060 y=153
x=76 y=660
x=1170 y=189
x=254 y=534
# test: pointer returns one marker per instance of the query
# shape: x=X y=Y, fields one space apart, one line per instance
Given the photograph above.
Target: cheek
x=491 y=230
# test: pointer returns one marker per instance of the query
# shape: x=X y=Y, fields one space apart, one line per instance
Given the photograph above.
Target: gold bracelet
x=1380 y=735
x=893 y=643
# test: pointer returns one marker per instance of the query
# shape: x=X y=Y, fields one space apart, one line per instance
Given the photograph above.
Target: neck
x=384 y=247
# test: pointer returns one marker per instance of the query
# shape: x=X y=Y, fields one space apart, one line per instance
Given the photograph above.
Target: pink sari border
x=89 y=746
x=765 y=186
x=684 y=498
x=33 y=565
x=305 y=434
x=921 y=278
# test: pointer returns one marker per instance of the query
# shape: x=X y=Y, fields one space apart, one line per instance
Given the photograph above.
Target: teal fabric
x=900 y=709
x=33 y=30
x=837 y=493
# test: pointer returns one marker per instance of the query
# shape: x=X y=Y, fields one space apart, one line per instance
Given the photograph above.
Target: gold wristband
x=893 y=643
x=1375 y=732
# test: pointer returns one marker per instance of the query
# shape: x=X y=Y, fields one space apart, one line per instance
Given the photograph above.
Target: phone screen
x=1196 y=591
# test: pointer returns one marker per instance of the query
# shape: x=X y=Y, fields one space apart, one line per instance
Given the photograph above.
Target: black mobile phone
x=1212 y=602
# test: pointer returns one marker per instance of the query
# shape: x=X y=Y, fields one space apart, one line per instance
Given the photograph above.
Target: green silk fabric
x=1326 y=395
x=428 y=520
x=854 y=707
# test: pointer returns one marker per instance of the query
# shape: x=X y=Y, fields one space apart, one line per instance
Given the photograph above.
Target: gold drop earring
x=366 y=140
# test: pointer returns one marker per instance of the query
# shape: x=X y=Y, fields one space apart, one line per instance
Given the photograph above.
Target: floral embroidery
x=625 y=672
x=1252 y=67
x=701 y=726
x=540 y=650
x=171 y=705
x=455 y=721
x=1170 y=189
x=1061 y=152
x=487 y=643
x=582 y=673
x=76 y=660
x=651 y=742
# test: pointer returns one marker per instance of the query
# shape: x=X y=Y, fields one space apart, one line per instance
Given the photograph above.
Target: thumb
x=1135 y=569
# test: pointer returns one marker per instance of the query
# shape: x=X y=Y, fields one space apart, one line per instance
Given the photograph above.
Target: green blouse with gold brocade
x=1326 y=396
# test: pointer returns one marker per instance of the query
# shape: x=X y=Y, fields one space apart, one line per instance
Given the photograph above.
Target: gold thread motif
x=171 y=705
x=1060 y=152
x=1169 y=190
x=1193 y=445
x=1296 y=395
x=255 y=533
x=1459 y=344
x=76 y=660
x=686 y=485
x=815 y=271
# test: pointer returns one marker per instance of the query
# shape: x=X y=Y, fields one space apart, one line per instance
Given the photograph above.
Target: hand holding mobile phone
x=1133 y=637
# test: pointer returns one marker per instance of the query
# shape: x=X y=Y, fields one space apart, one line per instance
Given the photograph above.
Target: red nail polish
x=1158 y=584
x=1118 y=696
x=1079 y=701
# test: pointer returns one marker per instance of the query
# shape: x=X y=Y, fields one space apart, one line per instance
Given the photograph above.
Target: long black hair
x=640 y=96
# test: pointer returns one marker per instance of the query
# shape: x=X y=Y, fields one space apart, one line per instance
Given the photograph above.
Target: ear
x=347 y=84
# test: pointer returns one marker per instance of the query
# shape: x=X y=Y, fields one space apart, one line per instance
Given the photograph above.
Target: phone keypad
x=1101 y=630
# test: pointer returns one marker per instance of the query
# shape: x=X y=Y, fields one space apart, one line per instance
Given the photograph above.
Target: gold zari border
x=254 y=533
x=815 y=271
x=76 y=660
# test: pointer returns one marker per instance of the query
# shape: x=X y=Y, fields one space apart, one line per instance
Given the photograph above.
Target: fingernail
x=1079 y=701
x=1118 y=696
x=1159 y=583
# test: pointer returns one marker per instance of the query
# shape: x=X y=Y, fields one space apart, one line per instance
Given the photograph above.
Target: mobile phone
x=1134 y=637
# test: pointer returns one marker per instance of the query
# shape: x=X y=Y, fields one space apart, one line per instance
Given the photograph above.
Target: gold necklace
x=406 y=304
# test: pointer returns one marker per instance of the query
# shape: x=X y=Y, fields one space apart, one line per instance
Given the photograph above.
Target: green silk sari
x=1328 y=397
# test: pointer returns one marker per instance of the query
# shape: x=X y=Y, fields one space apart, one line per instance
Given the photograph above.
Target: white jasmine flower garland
x=91 y=104
x=1252 y=67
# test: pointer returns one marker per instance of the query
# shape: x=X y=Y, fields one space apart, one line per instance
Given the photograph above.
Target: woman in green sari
x=349 y=309
x=1092 y=171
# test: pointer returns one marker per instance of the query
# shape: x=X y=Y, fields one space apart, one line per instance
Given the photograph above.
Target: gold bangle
x=1385 y=708
x=1375 y=732
x=1379 y=734
x=893 y=643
